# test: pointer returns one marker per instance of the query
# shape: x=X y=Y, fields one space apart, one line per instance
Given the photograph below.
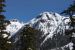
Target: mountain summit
x=53 y=26
x=14 y=26
x=50 y=23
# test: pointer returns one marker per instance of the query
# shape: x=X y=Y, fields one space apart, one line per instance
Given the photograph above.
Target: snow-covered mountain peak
x=52 y=27
x=46 y=19
x=49 y=15
x=49 y=23
x=14 y=26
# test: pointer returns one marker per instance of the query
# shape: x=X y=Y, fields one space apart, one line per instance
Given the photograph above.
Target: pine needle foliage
x=5 y=43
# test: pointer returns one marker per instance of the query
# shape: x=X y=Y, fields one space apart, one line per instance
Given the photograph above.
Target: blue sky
x=25 y=10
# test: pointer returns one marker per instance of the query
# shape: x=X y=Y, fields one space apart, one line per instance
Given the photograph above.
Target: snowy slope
x=14 y=26
x=49 y=23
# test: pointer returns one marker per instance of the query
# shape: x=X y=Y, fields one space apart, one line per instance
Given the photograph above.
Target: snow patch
x=14 y=27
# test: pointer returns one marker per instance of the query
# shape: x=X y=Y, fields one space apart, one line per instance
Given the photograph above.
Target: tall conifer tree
x=71 y=12
x=4 y=41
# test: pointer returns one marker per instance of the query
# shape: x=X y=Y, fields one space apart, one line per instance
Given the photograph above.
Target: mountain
x=49 y=23
x=53 y=27
x=14 y=26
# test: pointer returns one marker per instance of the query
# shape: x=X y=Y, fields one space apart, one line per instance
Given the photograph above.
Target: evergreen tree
x=30 y=39
x=4 y=41
x=70 y=11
